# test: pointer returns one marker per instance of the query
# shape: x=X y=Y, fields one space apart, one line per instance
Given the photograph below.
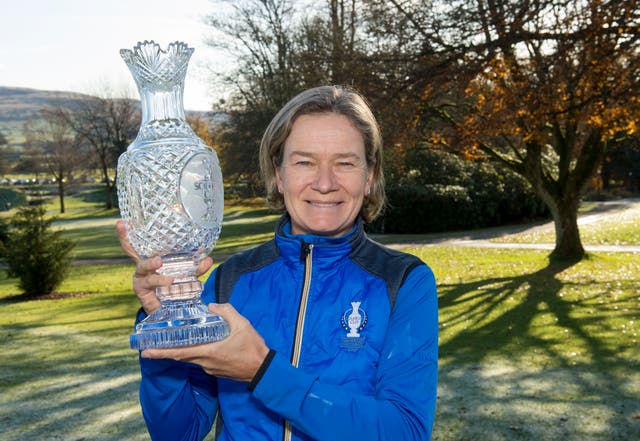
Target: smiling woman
x=333 y=336
x=357 y=126
x=324 y=175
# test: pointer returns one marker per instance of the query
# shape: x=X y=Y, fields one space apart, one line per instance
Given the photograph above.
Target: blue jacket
x=353 y=332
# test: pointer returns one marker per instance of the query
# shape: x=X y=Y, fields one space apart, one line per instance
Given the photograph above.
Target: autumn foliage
x=543 y=87
x=548 y=88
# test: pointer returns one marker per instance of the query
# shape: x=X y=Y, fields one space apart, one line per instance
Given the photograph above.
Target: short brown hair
x=324 y=99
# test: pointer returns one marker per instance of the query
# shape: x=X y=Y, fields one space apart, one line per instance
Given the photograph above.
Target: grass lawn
x=531 y=351
x=528 y=350
x=93 y=229
x=66 y=372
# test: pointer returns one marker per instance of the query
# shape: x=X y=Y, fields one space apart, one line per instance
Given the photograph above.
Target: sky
x=74 y=45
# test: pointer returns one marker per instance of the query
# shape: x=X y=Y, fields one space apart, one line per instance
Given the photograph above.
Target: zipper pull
x=305 y=250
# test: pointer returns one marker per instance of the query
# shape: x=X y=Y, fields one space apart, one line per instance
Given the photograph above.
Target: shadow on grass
x=69 y=374
x=558 y=394
x=71 y=394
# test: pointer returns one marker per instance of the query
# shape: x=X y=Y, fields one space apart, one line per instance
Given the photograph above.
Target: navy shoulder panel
x=390 y=265
x=230 y=271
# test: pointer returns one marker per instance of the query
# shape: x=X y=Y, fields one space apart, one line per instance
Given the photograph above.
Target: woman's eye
x=346 y=164
x=303 y=163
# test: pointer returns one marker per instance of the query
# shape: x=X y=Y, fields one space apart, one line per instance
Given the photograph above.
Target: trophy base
x=179 y=323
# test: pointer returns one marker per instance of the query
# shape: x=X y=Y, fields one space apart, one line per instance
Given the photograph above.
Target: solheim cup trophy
x=171 y=199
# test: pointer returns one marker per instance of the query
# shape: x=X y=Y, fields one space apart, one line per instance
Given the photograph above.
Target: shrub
x=4 y=236
x=11 y=198
x=35 y=254
x=442 y=192
x=424 y=209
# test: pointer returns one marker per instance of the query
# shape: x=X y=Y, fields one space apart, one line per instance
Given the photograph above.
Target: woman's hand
x=146 y=278
x=238 y=357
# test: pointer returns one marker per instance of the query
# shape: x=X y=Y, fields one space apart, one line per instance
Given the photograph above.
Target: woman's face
x=324 y=175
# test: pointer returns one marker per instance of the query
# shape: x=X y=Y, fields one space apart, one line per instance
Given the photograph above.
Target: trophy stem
x=179 y=291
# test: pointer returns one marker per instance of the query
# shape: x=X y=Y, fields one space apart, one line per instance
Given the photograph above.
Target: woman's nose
x=325 y=179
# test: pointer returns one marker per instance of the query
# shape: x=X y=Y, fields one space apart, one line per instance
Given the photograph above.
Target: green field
x=528 y=350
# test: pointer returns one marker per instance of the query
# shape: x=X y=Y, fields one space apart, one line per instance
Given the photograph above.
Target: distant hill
x=18 y=104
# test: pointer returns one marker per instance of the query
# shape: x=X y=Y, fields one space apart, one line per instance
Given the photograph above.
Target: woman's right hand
x=145 y=279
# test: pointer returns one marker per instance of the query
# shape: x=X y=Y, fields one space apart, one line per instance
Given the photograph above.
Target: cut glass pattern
x=171 y=198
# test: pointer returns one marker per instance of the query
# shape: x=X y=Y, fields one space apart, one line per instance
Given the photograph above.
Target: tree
x=37 y=256
x=281 y=50
x=30 y=160
x=541 y=86
x=239 y=142
x=58 y=146
x=258 y=34
x=328 y=45
x=202 y=128
x=107 y=125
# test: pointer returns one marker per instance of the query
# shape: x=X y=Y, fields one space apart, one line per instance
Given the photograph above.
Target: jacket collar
x=324 y=247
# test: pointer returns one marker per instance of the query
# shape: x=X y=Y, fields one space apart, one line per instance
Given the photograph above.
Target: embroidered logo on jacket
x=353 y=321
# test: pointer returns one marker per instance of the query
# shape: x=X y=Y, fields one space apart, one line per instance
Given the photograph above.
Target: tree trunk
x=61 y=194
x=565 y=218
x=110 y=188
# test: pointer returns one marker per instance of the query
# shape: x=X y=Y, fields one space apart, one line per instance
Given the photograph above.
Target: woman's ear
x=368 y=183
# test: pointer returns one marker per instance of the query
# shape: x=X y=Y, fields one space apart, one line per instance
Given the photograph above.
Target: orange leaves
x=500 y=106
x=437 y=139
x=472 y=152
x=558 y=81
x=614 y=120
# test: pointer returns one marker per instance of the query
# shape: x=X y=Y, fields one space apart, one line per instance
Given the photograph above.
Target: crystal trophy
x=171 y=199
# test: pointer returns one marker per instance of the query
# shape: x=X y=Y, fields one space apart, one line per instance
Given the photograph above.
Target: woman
x=332 y=335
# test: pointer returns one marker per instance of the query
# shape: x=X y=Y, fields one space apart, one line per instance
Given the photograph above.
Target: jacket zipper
x=307 y=255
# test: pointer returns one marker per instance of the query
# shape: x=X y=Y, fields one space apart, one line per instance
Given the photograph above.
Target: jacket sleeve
x=403 y=406
x=179 y=400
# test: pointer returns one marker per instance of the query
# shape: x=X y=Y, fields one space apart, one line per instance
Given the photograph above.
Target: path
x=604 y=211
x=622 y=209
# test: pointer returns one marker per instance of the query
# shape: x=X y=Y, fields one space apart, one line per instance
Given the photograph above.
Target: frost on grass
x=505 y=400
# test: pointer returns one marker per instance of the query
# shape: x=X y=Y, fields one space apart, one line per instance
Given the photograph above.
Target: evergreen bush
x=38 y=256
x=11 y=198
x=443 y=192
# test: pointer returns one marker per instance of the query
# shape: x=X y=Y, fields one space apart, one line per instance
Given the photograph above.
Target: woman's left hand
x=238 y=356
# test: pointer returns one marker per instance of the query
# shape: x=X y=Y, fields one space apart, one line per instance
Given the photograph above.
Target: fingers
x=204 y=266
x=175 y=354
x=239 y=356
x=146 y=280
x=189 y=354
x=236 y=321
x=146 y=273
x=150 y=282
x=145 y=267
x=225 y=310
